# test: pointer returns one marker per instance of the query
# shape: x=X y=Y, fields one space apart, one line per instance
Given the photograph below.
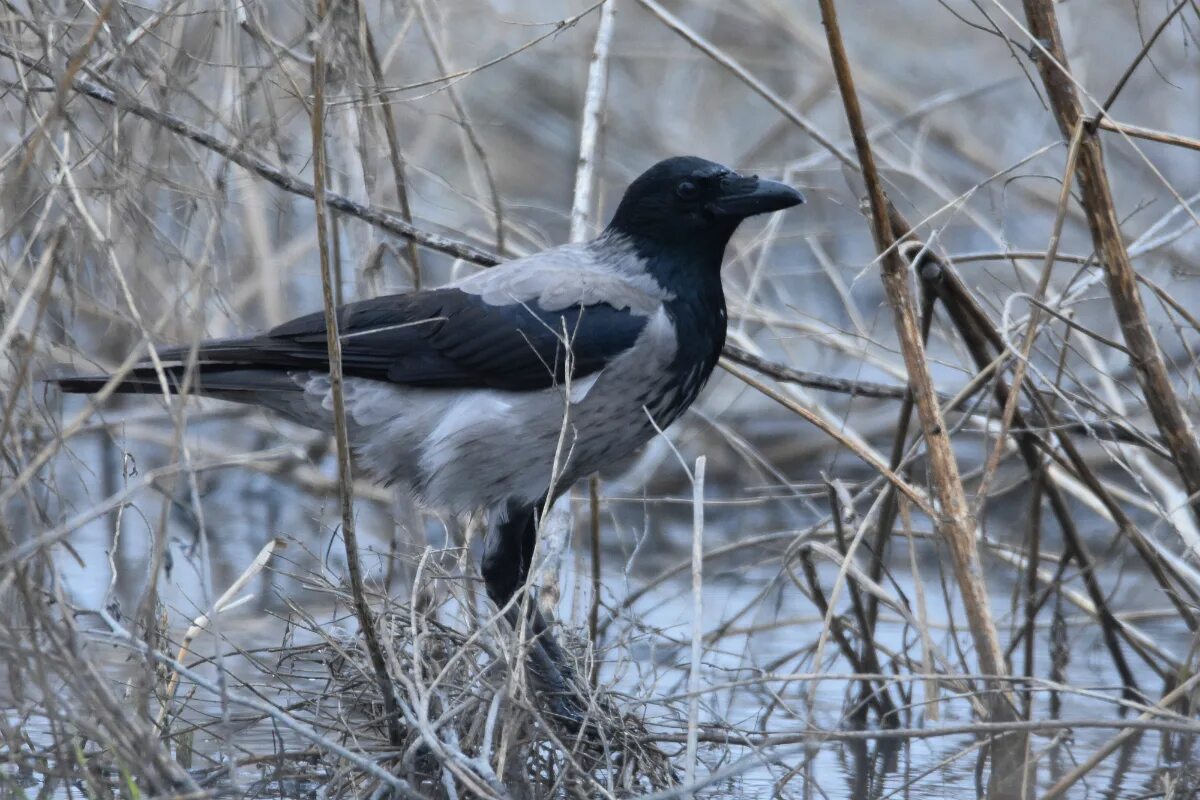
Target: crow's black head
x=689 y=202
x=679 y=215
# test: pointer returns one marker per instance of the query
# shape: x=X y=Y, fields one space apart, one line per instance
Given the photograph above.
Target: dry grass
x=862 y=590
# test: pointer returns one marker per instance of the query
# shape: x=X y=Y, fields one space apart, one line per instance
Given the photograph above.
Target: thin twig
x=1148 y=363
x=745 y=76
x=1130 y=729
x=1149 y=134
x=284 y=180
x=395 y=156
x=597 y=585
x=227 y=601
x=907 y=489
x=333 y=341
x=1133 y=65
x=464 y=119
x=581 y=211
x=954 y=521
x=693 y=729
x=591 y=119
x=122 y=637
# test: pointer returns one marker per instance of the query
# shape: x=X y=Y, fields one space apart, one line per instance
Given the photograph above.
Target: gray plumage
x=499 y=391
x=463 y=450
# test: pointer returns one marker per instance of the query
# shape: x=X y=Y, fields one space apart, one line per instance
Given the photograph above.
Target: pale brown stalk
x=333 y=341
x=1096 y=195
x=954 y=522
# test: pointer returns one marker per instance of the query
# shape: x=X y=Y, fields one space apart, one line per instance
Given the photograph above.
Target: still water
x=757 y=625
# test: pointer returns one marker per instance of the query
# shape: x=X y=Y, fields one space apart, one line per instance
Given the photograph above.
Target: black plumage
x=455 y=392
x=443 y=338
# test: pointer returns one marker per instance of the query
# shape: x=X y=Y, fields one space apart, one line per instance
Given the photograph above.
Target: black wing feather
x=445 y=338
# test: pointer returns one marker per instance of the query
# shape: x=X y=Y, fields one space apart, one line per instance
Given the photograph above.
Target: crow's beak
x=746 y=197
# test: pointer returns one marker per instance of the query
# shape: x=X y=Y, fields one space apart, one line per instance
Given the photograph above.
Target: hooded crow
x=461 y=394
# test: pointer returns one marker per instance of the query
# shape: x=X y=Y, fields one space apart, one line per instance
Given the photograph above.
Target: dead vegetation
x=934 y=534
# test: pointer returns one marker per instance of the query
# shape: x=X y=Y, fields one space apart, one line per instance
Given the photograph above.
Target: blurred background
x=116 y=230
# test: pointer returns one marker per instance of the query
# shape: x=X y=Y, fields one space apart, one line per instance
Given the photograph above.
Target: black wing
x=445 y=338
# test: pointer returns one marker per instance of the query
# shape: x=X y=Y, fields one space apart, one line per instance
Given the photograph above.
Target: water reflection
x=868 y=765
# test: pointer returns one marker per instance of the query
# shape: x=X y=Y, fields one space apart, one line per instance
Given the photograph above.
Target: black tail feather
x=140 y=380
x=223 y=380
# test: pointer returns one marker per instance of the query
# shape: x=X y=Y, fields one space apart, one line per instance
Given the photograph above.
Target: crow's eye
x=687 y=190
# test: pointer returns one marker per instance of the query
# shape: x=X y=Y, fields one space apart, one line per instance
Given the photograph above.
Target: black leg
x=508 y=552
x=507 y=556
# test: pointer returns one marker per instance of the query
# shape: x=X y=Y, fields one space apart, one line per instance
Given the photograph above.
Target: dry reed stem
x=333 y=343
x=954 y=522
x=1031 y=327
x=1149 y=134
x=763 y=490
x=693 y=723
x=1146 y=358
x=891 y=504
x=955 y=515
x=226 y=602
x=591 y=119
x=390 y=135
